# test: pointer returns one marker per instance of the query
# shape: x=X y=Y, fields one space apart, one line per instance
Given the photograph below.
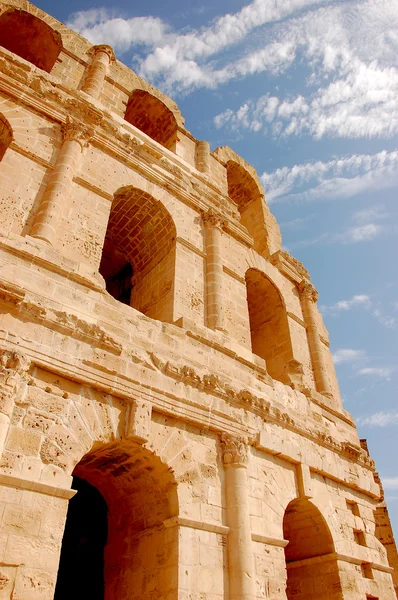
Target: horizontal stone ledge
x=192 y=524
x=337 y=556
x=36 y=486
x=256 y=537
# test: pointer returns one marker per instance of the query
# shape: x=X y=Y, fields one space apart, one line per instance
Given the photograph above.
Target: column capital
x=307 y=291
x=234 y=449
x=211 y=218
x=104 y=49
x=76 y=131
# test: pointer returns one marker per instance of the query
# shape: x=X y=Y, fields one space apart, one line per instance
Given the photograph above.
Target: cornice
x=215 y=385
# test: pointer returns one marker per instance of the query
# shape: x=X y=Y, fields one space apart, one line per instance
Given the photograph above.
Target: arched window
x=244 y=190
x=114 y=543
x=151 y=116
x=5 y=135
x=30 y=38
x=309 y=577
x=269 y=327
x=138 y=258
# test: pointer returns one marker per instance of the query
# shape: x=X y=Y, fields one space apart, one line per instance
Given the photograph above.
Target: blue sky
x=307 y=92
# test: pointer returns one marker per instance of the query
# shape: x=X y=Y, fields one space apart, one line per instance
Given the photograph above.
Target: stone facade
x=159 y=347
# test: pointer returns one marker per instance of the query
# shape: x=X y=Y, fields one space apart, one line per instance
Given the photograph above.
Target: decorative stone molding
x=75 y=131
x=59 y=320
x=248 y=401
x=102 y=49
x=289 y=266
x=171 y=167
x=307 y=291
x=234 y=449
x=211 y=218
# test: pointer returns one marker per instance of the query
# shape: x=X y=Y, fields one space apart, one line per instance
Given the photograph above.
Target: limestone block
x=138 y=422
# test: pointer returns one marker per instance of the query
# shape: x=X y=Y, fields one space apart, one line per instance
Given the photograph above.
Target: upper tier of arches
x=30 y=38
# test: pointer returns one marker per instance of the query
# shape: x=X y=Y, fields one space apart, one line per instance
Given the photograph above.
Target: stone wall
x=193 y=388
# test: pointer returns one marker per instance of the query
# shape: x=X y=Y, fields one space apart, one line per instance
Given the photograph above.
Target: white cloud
x=268 y=35
x=390 y=483
x=379 y=419
x=361 y=103
x=342 y=177
x=359 y=300
x=100 y=27
x=385 y=320
x=348 y=355
x=381 y=372
x=350 y=49
x=362 y=233
x=179 y=61
x=86 y=18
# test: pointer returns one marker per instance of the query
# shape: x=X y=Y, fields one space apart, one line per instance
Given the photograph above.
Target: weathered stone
x=158 y=346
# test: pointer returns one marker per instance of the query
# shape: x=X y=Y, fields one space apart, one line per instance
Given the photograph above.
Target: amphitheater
x=171 y=426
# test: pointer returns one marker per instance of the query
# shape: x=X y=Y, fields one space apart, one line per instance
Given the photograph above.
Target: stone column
x=214 y=273
x=103 y=57
x=203 y=156
x=308 y=298
x=75 y=137
x=241 y=565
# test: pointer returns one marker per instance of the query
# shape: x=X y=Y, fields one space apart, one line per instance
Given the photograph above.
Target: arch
x=246 y=191
x=226 y=155
x=138 y=258
x=30 y=38
x=312 y=568
x=6 y=135
x=153 y=117
x=140 y=555
x=269 y=327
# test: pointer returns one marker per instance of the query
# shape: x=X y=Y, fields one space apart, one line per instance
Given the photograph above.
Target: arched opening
x=138 y=258
x=312 y=570
x=269 y=327
x=85 y=536
x=30 y=38
x=244 y=190
x=6 y=135
x=151 y=116
x=115 y=536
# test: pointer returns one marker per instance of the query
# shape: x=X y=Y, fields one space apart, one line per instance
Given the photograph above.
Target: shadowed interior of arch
x=312 y=569
x=150 y=115
x=269 y=327
x=115 y=542
x=138 y=257
x=245 y=192
x=30 y=38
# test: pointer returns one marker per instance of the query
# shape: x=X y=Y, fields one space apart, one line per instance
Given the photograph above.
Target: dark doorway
x=81 y=568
